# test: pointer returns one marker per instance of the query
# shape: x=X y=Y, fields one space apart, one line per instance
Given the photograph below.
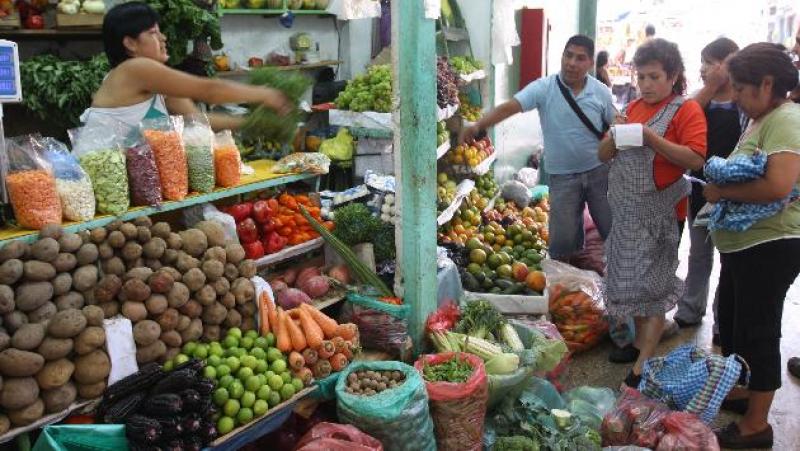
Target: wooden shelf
x=52 y=33
x=310 y=66
x=274 y=12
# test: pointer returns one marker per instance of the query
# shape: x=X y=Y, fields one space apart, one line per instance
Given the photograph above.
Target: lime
x=236 y=389
x=243 y=373
x=188 y=348
x=246 y=342
x=201 y=352
x=298 y=384
x=274 y=354
x=225 y=425
x=275 y=382
x=261 y=366
x=269 y=374
x=249 y=361
x=169 y=365
x=234 y=332
x=274 y=398
x=278 y=366
x=231 y=408
x=214 y=360
x=261 y=343
x=220 y=396
x=238 y=352
x=262 y=379
x=223 y=370
x=216 y=350
x=181 y=359
x=225 y=381
x=230 y=342
x=263 y=392
x=270 y=339
x=287 y=377
x=245 y=415
x=248 y=399
x=251 y=334
x=258 y=353
x=260 y=407
x=287 y=391
x=233 y=363
x=252 y=383
x=210 y=372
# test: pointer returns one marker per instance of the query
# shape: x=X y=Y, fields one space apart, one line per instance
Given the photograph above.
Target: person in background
x=577 y=177
x=725 y=125
x=760 y=263
x=649 y=32
x=600 y=68
x=647 y=194
x=793 y=365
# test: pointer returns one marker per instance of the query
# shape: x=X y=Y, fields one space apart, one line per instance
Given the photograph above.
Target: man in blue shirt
x=577 y=177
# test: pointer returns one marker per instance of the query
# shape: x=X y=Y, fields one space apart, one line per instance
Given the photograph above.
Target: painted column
x=587 y=18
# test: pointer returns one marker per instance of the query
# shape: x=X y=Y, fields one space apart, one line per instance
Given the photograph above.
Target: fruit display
x=465 y=64
x=463 y=226
x=468 y=111
x=445 y=191
x=442 y=135
x=446 y=87
x=262 y=149
x=470 y=155
x=368 y=92
x=486 y=185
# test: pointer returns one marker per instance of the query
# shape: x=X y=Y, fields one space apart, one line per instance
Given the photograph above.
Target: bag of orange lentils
x=227 y=162
x=164 y=137
x=31 y=185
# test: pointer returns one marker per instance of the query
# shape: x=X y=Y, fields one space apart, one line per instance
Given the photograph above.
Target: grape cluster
x=446 y=87
x=369 y=92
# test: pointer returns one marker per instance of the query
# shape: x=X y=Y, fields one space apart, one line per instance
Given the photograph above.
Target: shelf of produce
x=274 y=12
x=262 y=178
x=462 y=192
x=443 y=149
x=238 y=73
x=51 y=33
x=290 y=252
x=481 y=169
x=259 y=427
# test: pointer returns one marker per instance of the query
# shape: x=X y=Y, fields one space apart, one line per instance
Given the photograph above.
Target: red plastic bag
x=635 y=421
x=458 y=409
x=337 y=437
x=443 y=319
x=686 y=432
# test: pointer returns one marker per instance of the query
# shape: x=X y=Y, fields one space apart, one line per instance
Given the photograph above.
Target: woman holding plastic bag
x=141 y=86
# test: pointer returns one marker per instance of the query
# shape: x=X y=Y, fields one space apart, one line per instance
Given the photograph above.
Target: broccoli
x=515 y=443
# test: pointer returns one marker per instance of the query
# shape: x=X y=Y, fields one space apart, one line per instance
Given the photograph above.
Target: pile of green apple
x=251 y=374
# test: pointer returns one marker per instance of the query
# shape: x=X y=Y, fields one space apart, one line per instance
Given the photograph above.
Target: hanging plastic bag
x=458 y=409
x=686 y=432
x=31 y=185
x=227 y=161
x=636 y=420
x=99 y=147
x=339 y=148
x=337 y=437
x=143 y=179
x=198 y=140
x=576 y=304
x=296 y=163
x=72 y=183
x=398 y=417
x=590 y=404
x=382 y=326
x=164 y=137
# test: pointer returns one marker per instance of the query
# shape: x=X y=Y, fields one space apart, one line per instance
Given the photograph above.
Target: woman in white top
x=141 y=86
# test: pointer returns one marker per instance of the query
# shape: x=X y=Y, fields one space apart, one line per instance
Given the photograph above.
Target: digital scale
x=10 y=92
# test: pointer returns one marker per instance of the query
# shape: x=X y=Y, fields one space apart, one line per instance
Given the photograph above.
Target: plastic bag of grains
x=31 y=185
x=164 y=137
x=73 y=184
x=198 y=140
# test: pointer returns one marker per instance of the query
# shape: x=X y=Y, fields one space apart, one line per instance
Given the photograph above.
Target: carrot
x=272 y=317
x=338 y=362
x=296 y=361
x=338 y=343
x=295 y=334
x=263 y=311
x=284 y=343
x=326 y=349
x=322 y=369
x=310 y=356
x=305 y=375
x=310 y=328
x=347 y=352
x=346 y=331
x=326 y=323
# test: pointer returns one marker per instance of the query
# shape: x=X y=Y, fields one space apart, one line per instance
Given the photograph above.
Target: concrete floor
x=593 y=368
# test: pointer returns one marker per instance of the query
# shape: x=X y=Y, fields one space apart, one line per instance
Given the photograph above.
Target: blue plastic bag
x=84 y=437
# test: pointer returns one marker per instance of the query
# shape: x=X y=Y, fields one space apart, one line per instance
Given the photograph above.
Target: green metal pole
x=587 y=17
x=414 y=72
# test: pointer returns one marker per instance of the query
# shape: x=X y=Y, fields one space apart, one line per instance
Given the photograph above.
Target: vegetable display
x=368 y=92
x=264 y=123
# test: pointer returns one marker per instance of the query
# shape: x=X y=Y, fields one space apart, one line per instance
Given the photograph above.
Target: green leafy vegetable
x=355 y=224
x=383 y=242
x=515 y=443
x=265 y=124
x=182 y=22
x=454 y=370
x=479 y=319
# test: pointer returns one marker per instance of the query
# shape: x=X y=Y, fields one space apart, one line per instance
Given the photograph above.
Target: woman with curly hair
x=648 y=197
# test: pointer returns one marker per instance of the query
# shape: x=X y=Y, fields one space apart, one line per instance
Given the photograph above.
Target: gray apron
x=642 y=248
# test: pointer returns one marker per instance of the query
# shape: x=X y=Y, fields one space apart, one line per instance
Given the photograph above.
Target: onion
x=291 y=298
x=316 y=286
x=289 y=276
x=278 y=285
x=340 y=273
x=305 y=274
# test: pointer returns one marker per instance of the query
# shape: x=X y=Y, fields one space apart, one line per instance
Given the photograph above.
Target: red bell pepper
x=240 y=212
x=261 y=211
x=247 y=231
x=254 y=250
x=269 y=226
x=274 y=243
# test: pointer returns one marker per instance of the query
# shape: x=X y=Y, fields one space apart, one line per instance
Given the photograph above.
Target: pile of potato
x=55 y=293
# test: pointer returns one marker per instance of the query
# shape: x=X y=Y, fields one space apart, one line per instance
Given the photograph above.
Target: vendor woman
x=141 y=86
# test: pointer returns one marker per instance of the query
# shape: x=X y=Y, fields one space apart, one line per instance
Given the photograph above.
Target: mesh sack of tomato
x=382 y=326
x=576 y=304
x=337 y=437
x=636 y=420
x=458 y=403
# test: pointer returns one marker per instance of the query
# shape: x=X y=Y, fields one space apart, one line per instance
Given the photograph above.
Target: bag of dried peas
x=31 y=185
x=164 y=137
x=198 y=139
x=227 y=162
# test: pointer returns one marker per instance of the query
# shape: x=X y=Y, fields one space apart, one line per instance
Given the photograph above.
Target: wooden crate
x=10 y=22
x=81 y=20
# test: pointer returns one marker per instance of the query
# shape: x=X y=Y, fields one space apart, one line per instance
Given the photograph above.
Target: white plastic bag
x=355 y=9
x=528 y=176
x=211 y=213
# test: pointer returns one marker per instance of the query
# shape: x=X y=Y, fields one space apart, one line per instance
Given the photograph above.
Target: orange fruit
x=535 y=281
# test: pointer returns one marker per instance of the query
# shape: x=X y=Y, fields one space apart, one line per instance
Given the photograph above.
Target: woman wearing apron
x=141 y=86
x=647 y=194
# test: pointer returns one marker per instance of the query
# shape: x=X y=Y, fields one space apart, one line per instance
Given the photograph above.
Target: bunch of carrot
x=316 y=344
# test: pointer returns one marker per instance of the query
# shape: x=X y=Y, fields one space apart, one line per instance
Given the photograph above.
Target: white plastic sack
x=121 y=348
x=355 y=9
x=211 y=213
x=528 y=176
x=504 y=32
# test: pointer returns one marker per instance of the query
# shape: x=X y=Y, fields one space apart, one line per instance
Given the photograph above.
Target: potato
x=174 y=241
x=243 y=290
x=53 y=231
x=28 y=337
x=154 y=248
x=169 y=319
x=178 y=295
x=107 y=289
x=192 y=309
x=14 y=320
x=5 y=424
x=176 y=275
x=156 y=304
x=215 y=233
x=248 y=324
x=87 y=254
x=55 y=348
x=105 y=251
x=65 y=262
x=172 y=339
x=59 y=398
x=14 y=250
x=28 y=414
x=69 y=242
x=161 y=230
x=143 y=234
x=132 y=251
x=71 y=300
x=62 y=283
x=221 y=286
x=91 y=391
x=134 y=311
x=231 y=272
x=143 y=221
x=91 y=338
x=214 y=314
x=194 y=279
x=247 y=268
x=36 y=271
x=183 y=323
x=114 y=265
x=136 y=290
x=248 y=309
x=193 y=332
x=7 y=303
x=186 y=262
x=194 y=242
x=98 y=235
x=32 y=295
x=213 y=269
x=211 y=332
x=55 y=374
x=110 y=309
x=43 y=313
x=170 y=256
x=46 y=249
x=216 y=253
x=85 y=277
x=234 y=253
x=153 y=264
x=86 y=236
x=161 y=282
x=18 y=392
x=18 y=363
x=94 y=315
x=142 y=273
x=11 y=271
x=151 y=353
x=206 y=295
x=5 y=340
x=228 y=300
x=146 y=332
x=66 y=324
x=116 y=239
x=92 y=367
x=234 y=319
x=129 y=230
x=114 y=225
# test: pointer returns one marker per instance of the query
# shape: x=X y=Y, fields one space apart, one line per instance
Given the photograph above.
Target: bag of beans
x=227 y=161
x=164 y=137
x=198 y=140
x=145 y=184
x=31 y=185
x=73 y=184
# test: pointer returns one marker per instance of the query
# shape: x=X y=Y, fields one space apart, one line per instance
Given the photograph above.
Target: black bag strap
x=579 y=112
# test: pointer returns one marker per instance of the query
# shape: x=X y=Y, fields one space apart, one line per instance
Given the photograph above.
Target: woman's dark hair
x=662 y=51
x=125 y=20
x=760 y=60
x=719 y=49
x=602 y=59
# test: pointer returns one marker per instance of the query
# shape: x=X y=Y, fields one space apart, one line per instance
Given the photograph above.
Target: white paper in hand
x=627 y=136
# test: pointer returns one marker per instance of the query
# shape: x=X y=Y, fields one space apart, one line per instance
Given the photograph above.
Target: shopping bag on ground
x=636 y=420
x=685 y=432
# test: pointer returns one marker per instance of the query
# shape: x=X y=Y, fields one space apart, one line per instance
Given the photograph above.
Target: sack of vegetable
x=72 y=183
x=164 y=136
x=543 y=337
x=31 y=185
x=636 y=420
x=576 y=304
x=382 y=326
x=388 y=401
x=590 y=404
x=337 y=437
x=458 y=391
